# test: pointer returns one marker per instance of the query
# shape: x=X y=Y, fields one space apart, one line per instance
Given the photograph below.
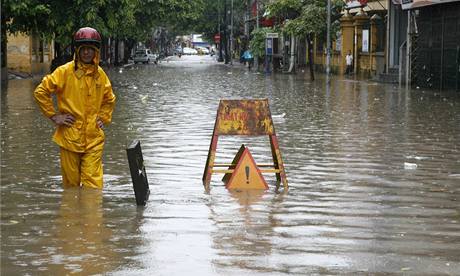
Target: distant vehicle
x=189 y=51
x=202 y=50
x=144 y=56
x=178 y=51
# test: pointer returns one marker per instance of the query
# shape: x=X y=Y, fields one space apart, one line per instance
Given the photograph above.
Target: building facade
x=363 y=34
x=29 y=54
x=433 y=59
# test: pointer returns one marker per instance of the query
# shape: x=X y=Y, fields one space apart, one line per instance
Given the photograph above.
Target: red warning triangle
x=246 y=174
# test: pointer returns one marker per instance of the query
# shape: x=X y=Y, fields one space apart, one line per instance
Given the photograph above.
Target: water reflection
x=81 y=235
x=243 y=230
x=246 y=198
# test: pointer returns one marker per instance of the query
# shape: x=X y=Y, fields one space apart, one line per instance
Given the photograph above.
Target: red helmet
x=87 y=35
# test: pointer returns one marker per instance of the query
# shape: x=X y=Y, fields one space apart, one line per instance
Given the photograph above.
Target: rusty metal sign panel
x=244 y=117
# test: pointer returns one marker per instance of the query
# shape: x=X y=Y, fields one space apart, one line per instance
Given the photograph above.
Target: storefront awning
x=414 y=4
x=355 y=3
x=370 y=6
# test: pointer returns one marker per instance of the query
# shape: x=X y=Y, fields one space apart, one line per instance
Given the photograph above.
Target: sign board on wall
x=365 y=48
x=272 y=35
x=269 y=46
x=338 y=41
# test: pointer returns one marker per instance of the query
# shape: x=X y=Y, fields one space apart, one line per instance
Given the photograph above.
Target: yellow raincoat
x=86 y=94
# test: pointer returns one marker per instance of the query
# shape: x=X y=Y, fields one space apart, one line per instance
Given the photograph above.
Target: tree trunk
x=116 y=52
x=310 y=57
x=4 y=74
x=127 y=52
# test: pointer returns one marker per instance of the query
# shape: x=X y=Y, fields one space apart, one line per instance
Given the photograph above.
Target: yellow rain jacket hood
x=85 y=92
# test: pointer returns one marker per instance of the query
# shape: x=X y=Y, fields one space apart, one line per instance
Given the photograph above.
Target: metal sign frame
x=247 y=118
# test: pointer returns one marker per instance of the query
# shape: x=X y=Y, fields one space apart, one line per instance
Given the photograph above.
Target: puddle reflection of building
x=82 y=238
x=244 y=228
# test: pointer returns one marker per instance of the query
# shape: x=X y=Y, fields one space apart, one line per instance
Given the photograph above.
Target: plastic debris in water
x=143 y=98
x=410 y=166
x=279 y=116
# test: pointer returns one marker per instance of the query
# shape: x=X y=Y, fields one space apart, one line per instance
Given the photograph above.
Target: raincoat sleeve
x=108 y=102
x=50 y=84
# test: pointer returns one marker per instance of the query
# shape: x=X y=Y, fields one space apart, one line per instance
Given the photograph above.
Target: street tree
x=257 y=43
x=130 y=20
x=28 y=16
x=216 y=18
x=305 y=19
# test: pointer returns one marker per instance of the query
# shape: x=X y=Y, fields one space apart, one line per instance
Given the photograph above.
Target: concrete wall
x=18 y=51
x=22 y=57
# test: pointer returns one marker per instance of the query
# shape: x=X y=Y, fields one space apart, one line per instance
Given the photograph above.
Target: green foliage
x=29 y=15
x=285 y=8
x=257 y=43
x=208 y=22
x=305 y=17
x=124 y=19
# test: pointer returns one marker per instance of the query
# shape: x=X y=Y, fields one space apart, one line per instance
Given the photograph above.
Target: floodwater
x=373 y=171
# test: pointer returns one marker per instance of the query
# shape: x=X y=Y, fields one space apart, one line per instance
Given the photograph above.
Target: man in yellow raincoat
x=85 y=102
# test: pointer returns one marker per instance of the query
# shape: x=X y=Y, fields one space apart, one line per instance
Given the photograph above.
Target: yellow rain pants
x=83 y=169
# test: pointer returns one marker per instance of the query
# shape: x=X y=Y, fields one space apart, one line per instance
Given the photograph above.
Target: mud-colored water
x=374 y=175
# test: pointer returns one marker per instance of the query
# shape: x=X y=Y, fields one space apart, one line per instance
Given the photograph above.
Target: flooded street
x=373 y=172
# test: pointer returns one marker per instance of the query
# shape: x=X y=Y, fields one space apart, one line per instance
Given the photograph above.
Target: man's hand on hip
x=63 y=119
x=100 y=124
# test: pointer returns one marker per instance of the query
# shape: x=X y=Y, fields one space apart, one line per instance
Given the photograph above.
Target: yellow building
x=29 y=54
x=363 y=33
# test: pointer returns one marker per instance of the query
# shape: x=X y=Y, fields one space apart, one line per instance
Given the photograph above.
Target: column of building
x=346 y=24
x=373 y=43
x=360 y=19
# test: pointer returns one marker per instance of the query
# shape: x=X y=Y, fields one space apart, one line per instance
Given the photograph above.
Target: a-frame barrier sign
x=248 y=118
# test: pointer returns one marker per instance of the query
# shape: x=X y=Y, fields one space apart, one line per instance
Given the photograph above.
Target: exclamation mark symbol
x=247 y=174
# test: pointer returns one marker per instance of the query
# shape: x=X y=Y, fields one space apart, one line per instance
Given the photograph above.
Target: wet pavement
x=374 y=175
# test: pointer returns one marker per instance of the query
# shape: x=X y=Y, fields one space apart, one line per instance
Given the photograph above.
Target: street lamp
x=231 y=36
x=221 y=58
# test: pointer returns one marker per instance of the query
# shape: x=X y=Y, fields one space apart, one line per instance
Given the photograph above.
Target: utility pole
x=231 y=36
x=408 y=51
x=256 y=58
x=225 y=33
x=328 y=41
x=221 y=58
